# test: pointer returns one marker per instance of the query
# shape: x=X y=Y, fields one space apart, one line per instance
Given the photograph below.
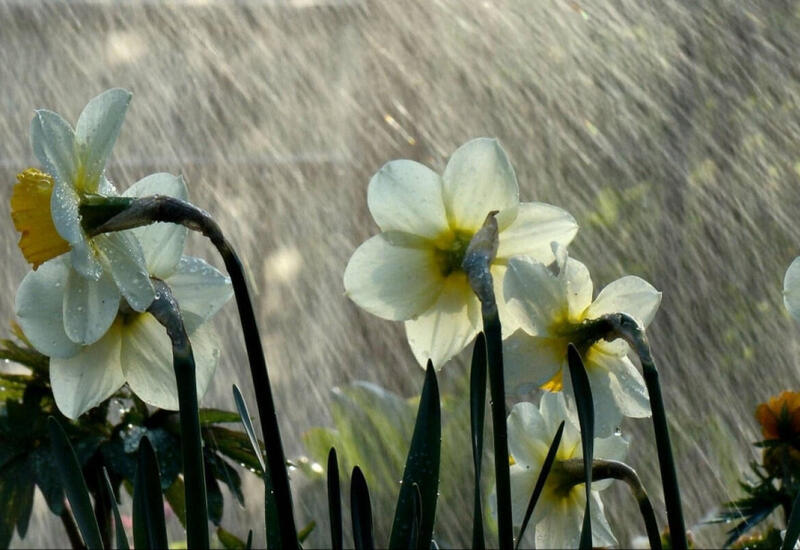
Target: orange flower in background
x=780 y=416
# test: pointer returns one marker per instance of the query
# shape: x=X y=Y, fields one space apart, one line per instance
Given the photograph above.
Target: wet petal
x=561 y=527
x=528 y=438
x=607 y=414
x=631 y=295
x=88 y=378
x=393 y=277
x=448 y=326
x=508 y=321
x=96 y=132
x=54 y=145
x=535 y=296
x=478 y=178
x=530 y=361
x=39 y=309
x=535 y=228
x=89 y=307
x=147 y=361
x=200 y=289
x=162 y=243
x=579 y=288
x=407 y=196
x=523 y=480
x=602 y=537
x=126 y=261
x=791 y=289
x=625 y=382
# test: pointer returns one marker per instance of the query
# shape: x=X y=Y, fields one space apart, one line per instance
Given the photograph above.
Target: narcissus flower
x=412 y=271
x=551 y=309
x=791 y=289
x=105 y=266
x=135 y=348
x=558 y=516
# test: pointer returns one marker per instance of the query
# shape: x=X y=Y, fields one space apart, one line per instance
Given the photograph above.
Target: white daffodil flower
x=550 y=309
x=558 y=516
x=412 y=271
x=105 y=266
x=791 y=289
x=135 y=349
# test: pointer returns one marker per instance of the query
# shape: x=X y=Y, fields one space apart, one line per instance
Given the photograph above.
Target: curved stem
x=165 y=309
x=160 y=208
x=612 y=469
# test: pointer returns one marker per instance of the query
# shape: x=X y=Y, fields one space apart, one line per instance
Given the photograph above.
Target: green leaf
x=175 y=495
x=585 y=406
x=540 y=481
x=334 y=500
x=26 y=356
x=149 y=526
x=306 y=531
x=45 y=470
x=119 y=529
x=477 y=404
x=229 y=540
x=361 y=511
x=74 y=485
x=215 y=500
x=792 y=526
x=217 y=416
x=421 y=471
x=16 y=499
x=217 y=467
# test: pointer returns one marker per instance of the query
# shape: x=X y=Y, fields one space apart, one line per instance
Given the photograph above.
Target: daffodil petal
x=527 y=435
x=579 y=288
x=448 y=326
x=535 y=296
x=84 y=260
x=478 y=178
x=607 y=414
x=632 y=295
x=614 y=447
x=89 y=307
x=96 y=132
x=791 y=289
x=67 y=220
x=602 y=537
x=530 y=361
x=126 y=261
x=392 y=277
x=561 y=527
x=147 y=361
x=535 y=228
x=508 y=320
x=523 y=480
x=162 y=243
x=407 y=196
x=87 y=379
x=54 y=145
x=625 y=383
x=39 y=309
x=200 y=290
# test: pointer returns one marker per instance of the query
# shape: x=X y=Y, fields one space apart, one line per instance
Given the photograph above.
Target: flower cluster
x=84 y=305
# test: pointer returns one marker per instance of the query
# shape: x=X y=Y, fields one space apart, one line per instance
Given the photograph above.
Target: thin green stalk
x=477 y=400
x=71 y=528
x=627 y=328
x=165 y=309
x=480 y=253
x=159 y=208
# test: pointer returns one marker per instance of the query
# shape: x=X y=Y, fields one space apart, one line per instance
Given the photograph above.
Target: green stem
x=627 y=328
x=160 y=208
x=612 y=469
x=165 y=309
x=477 y=259
x=71 y=528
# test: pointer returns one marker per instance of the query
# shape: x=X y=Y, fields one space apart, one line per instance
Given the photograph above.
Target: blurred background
x=669 y=130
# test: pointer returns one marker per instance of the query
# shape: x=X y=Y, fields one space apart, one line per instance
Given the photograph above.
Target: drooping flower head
x=101 y=268
x=135 y=348
x=412 y=270
x=551 y=309
x=558 y=516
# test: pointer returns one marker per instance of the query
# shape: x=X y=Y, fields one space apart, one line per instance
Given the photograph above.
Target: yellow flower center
x=30 y=211
x=450 y=250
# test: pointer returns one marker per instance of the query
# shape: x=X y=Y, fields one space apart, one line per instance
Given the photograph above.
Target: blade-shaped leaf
x=119 y=529
x=361 y=510
x=421 y=472
x=217 y=416
x=149 y=527
x=477 y=403
x=334 y=500
x=271 y=506
x=540 y=481
x=306 y=531
x=74 y=485
x=792 y=526
x=585 y=406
